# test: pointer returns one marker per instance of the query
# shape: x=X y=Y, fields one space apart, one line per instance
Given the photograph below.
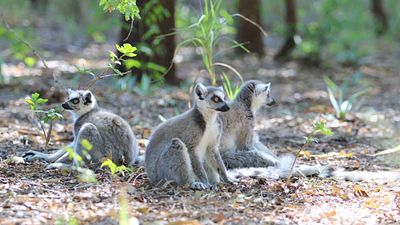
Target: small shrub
x=114 y=168
x=35 y=103
x=337 y=96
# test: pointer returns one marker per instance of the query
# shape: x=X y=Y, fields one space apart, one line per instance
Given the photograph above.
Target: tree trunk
x=248 y=34
x=39 y=5
x=162 y=51
x=380 y=16
x=291 y=30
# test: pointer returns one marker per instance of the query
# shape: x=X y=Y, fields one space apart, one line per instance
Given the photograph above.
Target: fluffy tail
x=282 y=170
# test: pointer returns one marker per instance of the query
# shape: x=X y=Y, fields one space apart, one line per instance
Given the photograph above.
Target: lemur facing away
x=109 y=134
x=184 y=149
x=240 y=146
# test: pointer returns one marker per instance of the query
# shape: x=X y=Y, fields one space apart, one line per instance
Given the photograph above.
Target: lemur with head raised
x=184 y=149
x=240 y=145
x=109 y=134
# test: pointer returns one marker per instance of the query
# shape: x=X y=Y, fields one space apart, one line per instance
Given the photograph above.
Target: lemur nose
x=223 y=108
x=65 y=105
x=271 y=102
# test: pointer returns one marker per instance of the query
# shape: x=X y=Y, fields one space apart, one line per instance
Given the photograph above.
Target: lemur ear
x=268 y=87
x=87 y=98
x=200 y=90
x=69 y=91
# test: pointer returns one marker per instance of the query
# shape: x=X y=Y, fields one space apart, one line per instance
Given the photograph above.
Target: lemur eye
x=75 y=100
x=216 y=99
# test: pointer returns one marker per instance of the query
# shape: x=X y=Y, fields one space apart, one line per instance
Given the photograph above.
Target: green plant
x=85 y=175
x=114 y=168
x=338 y=30
x=126 y=7
x=44 y=116
x=149 y=43
x=318 y=128
x=208 y=33
x=337 y=96
x=63 y=221
x=16 y=45
x=231 y=90
x=131 y=11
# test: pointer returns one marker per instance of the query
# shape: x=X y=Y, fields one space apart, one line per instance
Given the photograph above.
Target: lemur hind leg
x=87 y=132
x=245 y=159
x=180 y=166
x=90 y=133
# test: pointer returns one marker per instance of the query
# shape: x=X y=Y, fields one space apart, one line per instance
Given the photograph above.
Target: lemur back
x=109 y=134
x=185 y=148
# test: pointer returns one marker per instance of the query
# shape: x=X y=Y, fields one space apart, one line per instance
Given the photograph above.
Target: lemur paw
x=199 y=186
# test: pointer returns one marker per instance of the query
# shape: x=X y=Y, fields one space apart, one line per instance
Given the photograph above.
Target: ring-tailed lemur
x=109 y=134
x=240 y=145
x=185 y=148
x=241 y=148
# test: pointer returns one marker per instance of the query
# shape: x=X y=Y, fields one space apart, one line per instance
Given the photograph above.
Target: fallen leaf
x=186 y=222
x=359 y=191
x=143 y=210
x=331 y=213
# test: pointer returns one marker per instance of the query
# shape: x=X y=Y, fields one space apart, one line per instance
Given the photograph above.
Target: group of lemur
x=195 y=148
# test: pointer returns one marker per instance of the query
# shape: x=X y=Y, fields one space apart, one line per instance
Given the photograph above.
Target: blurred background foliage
x=327 y=31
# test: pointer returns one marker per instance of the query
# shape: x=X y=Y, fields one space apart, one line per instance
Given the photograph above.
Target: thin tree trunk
x=291 y=29
x=380 y=16
x=39 y=5
x=247 y=33
x=163 y=51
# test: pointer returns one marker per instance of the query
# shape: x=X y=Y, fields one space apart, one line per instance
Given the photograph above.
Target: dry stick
x=48 y=134
x=44 y=132
x=36 y=53
x=25 y=42
x=231 y=68
x=101 y=76
x=130 y=31
x=297 y=156
x=252 y=22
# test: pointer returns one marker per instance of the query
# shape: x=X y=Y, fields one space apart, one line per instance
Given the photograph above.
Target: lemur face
x=79 y=101
x=263 y=92
x=258 y=93
x=210 y=98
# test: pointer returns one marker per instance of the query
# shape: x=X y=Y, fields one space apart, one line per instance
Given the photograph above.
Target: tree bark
x=39 y=5
x=291 y=30
x=380 y=16
x=248 y=34
x=162 y=53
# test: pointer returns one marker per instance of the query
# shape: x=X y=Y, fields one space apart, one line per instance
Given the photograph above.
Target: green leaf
x=41 y=100
x=330 y=84
x=86 y=144
x=73 y=155
x=30 y=61
x=156 y=67
x=35 y=96
x=29 y=101
x=320 y=127
x=132 y=63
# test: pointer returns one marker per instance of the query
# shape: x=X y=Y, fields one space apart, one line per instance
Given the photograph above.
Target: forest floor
x=30 y=194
